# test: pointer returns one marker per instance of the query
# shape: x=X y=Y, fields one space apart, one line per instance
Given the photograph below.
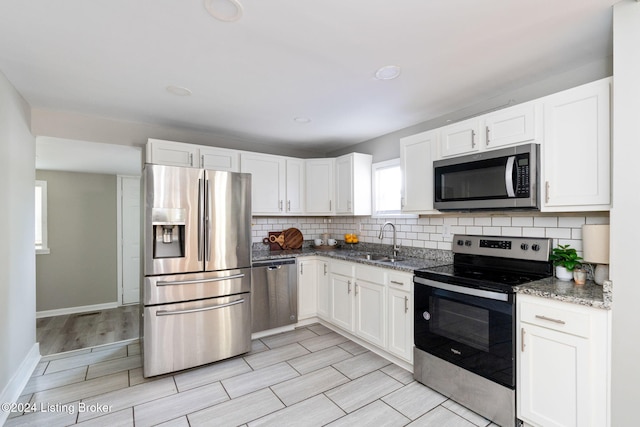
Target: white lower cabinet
x=370 y=301
x=341 y=306
x=563 y=363
x=307 y=287
x=400 y=315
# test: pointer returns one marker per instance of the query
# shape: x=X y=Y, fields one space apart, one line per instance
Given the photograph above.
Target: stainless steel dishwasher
x=274 y=294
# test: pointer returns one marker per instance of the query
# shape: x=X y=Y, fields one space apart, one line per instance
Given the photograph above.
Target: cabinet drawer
x=370 y=274
x=557 y=318
x=344 y=268
x=400 y=281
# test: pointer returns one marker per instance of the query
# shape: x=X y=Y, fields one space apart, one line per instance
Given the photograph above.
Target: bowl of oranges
x=350 y=238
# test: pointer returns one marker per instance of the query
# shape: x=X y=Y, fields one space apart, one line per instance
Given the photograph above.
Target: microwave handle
x=508 y=176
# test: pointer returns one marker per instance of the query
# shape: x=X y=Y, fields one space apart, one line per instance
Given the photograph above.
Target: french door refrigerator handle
x=192 y=282
x=207 y=224
x=195 y=310
x=200 y=216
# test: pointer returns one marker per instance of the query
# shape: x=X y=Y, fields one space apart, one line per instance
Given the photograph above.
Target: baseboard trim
x=74 y=310
x=18 y=382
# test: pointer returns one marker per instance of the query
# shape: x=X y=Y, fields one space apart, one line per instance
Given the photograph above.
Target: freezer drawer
x=184 y=335
x=193 y=286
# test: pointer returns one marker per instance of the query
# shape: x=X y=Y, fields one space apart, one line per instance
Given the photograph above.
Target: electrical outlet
x=446 y=231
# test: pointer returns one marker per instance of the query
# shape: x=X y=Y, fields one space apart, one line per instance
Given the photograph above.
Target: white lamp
x=595 y=247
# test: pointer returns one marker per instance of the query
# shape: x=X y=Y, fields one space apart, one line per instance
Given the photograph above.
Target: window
x=42 y=246
x=387 y=189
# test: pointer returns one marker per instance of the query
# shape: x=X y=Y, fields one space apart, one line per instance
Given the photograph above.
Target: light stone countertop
x=589 y=294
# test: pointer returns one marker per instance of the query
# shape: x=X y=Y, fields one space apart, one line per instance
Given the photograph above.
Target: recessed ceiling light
x=302 y=120
x=178 y=90
x=224 y=10
x=388 y=72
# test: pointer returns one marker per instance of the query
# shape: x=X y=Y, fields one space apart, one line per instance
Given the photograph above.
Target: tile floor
x=307 y=377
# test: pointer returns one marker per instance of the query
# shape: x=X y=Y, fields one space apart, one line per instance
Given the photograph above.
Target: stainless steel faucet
x=396 y=248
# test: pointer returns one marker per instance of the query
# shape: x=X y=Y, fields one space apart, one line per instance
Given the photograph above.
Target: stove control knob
x=535 y=247
x=467 y=242
x=524 y=247
x=460 y=242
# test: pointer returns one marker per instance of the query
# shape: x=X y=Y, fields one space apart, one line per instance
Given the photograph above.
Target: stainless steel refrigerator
x=197 y=267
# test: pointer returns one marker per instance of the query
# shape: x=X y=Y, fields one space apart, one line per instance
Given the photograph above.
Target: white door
x=130 y=239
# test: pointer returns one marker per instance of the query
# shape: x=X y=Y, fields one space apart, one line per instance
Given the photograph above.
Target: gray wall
x=82 y=266
x=17 y=249
x=387 y=146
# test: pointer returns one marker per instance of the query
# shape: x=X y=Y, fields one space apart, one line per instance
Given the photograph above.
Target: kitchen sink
x=392 y=259
x=373 y=257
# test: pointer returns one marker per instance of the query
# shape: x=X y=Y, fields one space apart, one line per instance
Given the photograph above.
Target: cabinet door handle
x=406 y=304
x=487 y=134
x=288 y=205
x=401 y=202
x=329 y=204
x=349 y=287
x=202 y=160
x=301 y=268
x=348 y=205
x=550 y=319
x=522 y=345
x=546 y=192
x=190 y=159
x=325 y=268
x=395 y=282
x=473 y=139
x=280 y=205
x=356 y=291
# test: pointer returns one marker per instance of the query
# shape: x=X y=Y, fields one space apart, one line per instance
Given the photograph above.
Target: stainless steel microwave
x=498 y=179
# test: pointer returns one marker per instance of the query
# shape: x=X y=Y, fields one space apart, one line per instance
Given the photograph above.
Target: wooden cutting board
x=275 y=240
x=292 y=238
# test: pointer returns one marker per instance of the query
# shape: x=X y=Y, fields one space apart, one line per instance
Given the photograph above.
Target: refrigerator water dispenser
x=168 y=232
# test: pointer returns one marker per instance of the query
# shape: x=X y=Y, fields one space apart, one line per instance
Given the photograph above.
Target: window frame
x=43 y=247
x=392 y=163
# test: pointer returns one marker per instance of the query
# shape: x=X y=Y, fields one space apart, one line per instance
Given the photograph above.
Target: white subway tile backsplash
x=427 y=232
x=482 y=221
x=501 y=222
x=571 y=221
x=522 y=221
x=545 y=221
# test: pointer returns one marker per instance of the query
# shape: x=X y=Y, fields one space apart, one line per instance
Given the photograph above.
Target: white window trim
x=44 y=248
x=384 y=214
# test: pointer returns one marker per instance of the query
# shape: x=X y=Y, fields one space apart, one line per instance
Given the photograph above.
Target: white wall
x=17 y=252
x=625 y=233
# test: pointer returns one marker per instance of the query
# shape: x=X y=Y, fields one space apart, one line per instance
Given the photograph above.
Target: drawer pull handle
x=395 y=282
x=196 y=310
x=561 y=322
x=522 y=344
x=195 y=281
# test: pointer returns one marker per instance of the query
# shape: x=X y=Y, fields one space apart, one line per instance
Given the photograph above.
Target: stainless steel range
x=464 y=321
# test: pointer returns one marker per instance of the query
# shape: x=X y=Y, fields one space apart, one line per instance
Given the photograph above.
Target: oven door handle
x=498 y=296
x=508 y=176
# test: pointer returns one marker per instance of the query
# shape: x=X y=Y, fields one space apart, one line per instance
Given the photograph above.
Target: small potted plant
x=565 y=259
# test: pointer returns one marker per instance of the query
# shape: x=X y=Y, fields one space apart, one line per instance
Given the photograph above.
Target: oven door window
x=472 y=332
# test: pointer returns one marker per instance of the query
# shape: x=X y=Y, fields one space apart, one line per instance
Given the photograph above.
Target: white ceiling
x=291 y=58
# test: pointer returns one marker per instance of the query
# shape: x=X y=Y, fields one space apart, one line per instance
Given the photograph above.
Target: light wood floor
x=68 y=332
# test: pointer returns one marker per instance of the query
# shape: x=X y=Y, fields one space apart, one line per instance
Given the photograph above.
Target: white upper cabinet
x=576 y=164
x=353 y=184
x=416 y=161
x=511 y=126
x=268 y=182
x=295 y=186
x=172 y=153
x=319 y=187
x=460 y=138
x=219 y=159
